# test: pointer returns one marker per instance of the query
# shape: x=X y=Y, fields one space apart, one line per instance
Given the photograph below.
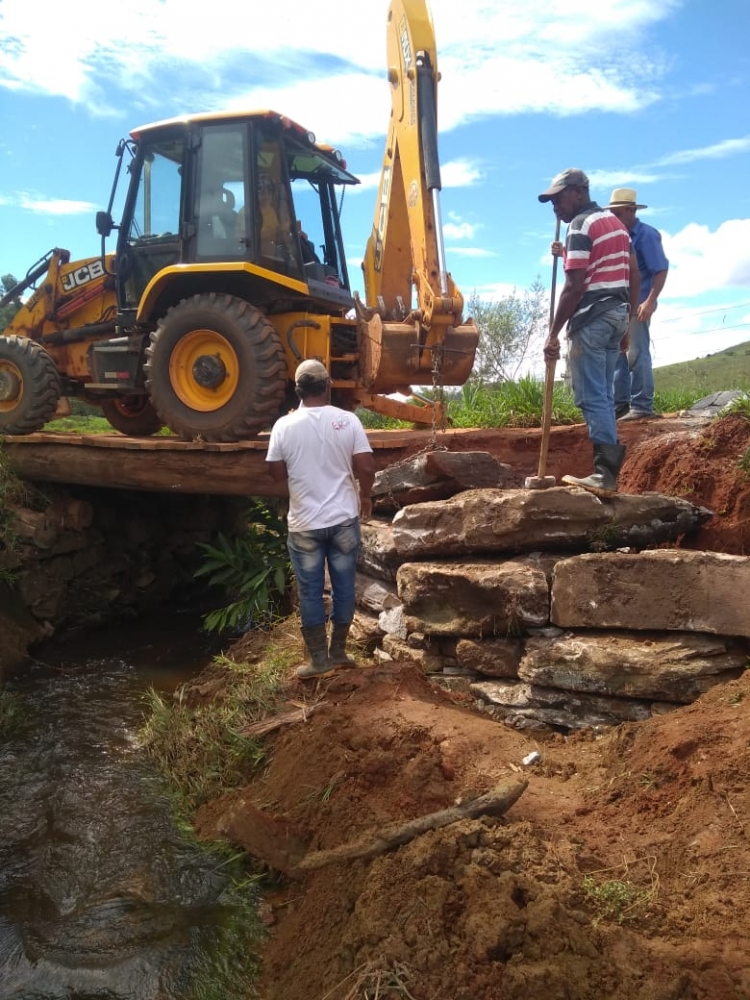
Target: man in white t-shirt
x=322 y=451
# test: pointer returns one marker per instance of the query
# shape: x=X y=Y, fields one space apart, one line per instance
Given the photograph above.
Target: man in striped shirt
x=601 y=287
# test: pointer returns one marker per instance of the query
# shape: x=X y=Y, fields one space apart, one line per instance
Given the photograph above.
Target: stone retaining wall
x=93 y=555
x=537 y=621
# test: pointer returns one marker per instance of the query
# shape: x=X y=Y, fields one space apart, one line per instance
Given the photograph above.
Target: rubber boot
x=608 y=459
x=316 y=641
x=337 y=652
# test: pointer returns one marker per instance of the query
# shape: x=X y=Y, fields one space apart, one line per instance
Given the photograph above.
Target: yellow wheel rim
x=11 y=375
x=194 y=351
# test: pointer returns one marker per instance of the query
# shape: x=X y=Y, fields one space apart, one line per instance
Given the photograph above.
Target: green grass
x=79 y=425
x=88 y=424
x=200 y=748
x=727 y=369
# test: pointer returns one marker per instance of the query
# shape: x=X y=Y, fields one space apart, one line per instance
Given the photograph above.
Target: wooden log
x=163 y=463
x=274 y=722
x=492 y=803
x=280 y=844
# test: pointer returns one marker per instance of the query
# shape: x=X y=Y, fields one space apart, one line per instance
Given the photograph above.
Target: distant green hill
x=728 y=369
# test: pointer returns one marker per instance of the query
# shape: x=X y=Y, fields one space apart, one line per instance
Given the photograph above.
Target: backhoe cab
x=230 y=269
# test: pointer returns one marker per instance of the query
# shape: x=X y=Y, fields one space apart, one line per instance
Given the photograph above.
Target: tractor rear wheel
x=30 y=386
x=132 y=415
x=216 y=369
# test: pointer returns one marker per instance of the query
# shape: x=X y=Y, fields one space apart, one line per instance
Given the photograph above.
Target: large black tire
x=216 y=369
x=133 y=415
x=30 y=386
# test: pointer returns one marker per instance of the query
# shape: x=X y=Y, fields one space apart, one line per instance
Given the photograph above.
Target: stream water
x=102 y=897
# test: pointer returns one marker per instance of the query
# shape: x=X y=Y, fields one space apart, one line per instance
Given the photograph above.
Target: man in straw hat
x=601 y=289
x=634 y=376
x=322 y=452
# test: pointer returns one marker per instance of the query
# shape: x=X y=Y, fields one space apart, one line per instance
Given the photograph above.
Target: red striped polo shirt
x=600 y=243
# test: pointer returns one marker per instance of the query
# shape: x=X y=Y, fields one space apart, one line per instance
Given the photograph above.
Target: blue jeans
x=309 y=552
x=634 y=375
x=592 y=358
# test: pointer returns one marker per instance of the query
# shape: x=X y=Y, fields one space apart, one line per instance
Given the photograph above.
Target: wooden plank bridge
x=167 y=464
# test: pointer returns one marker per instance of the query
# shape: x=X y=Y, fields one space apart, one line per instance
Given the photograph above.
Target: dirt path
x=621 y=873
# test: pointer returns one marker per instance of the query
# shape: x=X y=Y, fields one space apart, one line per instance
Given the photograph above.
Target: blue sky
x=651 y=94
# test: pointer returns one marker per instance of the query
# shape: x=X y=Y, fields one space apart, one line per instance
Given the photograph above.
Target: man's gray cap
x=311 y=371
x=572 y=177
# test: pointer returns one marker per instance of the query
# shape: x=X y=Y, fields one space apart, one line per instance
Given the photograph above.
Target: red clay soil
x=621 y=873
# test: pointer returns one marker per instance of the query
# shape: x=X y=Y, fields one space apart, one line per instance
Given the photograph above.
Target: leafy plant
x=621 y=898
x=612 y=898
x=741 y=405
x=509 y=329
x=253 y=569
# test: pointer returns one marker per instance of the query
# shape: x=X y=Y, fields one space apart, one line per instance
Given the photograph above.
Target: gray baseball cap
x=311 y=371
x=572 y=177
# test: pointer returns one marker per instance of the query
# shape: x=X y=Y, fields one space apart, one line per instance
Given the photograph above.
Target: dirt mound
x=621 y=873
x=701 y=466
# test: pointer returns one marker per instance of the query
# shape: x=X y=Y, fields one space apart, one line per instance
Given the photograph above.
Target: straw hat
x=624 y=198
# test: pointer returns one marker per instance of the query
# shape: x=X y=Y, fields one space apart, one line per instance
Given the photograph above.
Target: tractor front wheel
x=30 y=386
x=216 y=369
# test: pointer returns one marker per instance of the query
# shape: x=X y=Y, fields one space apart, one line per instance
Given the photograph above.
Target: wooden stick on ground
x=492 y=803
x=302 y=714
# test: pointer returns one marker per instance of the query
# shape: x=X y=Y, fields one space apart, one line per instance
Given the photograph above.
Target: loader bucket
x=392 y=358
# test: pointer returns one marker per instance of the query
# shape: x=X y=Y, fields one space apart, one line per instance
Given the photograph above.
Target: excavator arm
x=412 y=320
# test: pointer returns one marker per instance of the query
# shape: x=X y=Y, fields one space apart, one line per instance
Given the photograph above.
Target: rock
x=430 y=662
x=437 y=475
x=492 y=657
x=391 y=622
x=365 y=630
x=473 y=599
x=375 y=595
x=676 y=667
x=378 y=555
x=663 y=590
x=645 y=520
x=560 y=708
x=508 y=521
x=558 y=519
x=18 y=629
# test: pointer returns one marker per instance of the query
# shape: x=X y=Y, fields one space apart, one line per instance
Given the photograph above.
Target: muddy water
x=101 y=896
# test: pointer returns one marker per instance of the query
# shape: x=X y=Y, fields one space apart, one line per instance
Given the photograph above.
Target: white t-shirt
x=317 y=444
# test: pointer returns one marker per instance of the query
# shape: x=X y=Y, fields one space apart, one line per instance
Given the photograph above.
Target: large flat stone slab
x=473 y=599
x=565 y=519
x=674 y=667
x=663 y=590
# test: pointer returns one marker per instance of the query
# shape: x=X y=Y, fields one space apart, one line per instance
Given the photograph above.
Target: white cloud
x=509 y=57
x=605 y=180
x=471 y=252
x=701 y=260
x=717 y=151
x=459 y=230
x=460 y=173
x=52 y=206
x=681 y=332
x=492 y=291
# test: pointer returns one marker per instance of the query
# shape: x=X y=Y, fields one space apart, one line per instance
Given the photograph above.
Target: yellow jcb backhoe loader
x=229 y=270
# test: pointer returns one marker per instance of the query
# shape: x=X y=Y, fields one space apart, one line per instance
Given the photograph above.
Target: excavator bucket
x=395 y=356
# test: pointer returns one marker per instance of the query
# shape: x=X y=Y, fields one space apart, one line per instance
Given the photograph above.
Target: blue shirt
x=650 y=255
